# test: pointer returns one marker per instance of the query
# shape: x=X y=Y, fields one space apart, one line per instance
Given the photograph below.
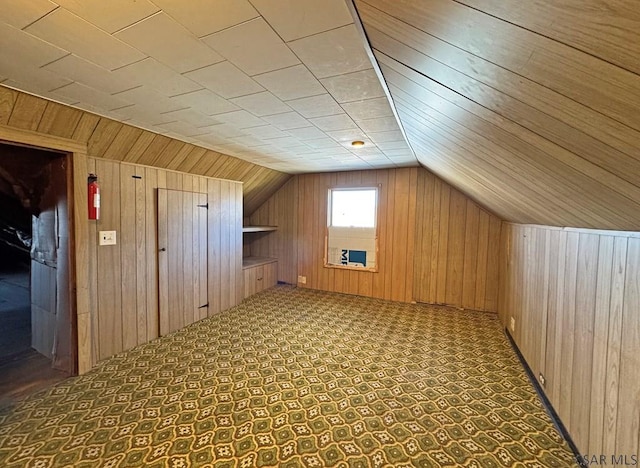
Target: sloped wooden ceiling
x=531 y=108
x=106 y=138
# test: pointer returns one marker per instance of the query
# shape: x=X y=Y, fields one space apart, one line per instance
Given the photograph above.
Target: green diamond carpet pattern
x=298 y=378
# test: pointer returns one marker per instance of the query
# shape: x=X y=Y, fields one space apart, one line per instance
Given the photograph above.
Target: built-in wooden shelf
x=259 y=228
x=250 y=262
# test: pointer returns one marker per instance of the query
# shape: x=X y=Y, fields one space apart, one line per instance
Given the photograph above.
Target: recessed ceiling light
x=357 y=143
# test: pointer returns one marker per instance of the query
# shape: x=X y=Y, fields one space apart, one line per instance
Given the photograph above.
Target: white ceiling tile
x=293 y=19
x=170 y=60
x=334 y=52
x=392 y=145
x=150 y=99
x=285 y=142
x=266 y=51
x=261 y=151
x=204 y=17
x=287 y=120
x=205 y=101
x=368 y=108
x=266 y=132
x=191 y=117
x=27 y=49
x=240 y=119
x=305 y=150
x=407 y=163
x=35 y=80
x=381 y=124
x=405 y=158
x=322 y=143
x=347 y=136
x=338 y=152
x=164 y=39
x=354 y=86
x=248 y=140
x=89 y=74
x=159 y=76
x=375 y=159
x=19 y=13
x=227 y=131
x=383 y=137
x=225 y=79
x=229 y=148
x=297 y=150
x=334 y=122
x=261 y=104
x=87 y=95
x=211 y=139
x=185 y=130
x=399 y=153
x=368 y=151
x=291 y=83
x=111 y=15
x=162 y=119
x=316 y=106
x=72 y=33
x=317 y=157
x=307 y=133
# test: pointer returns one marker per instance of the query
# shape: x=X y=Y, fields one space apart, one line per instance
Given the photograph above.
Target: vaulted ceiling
x=530 y=108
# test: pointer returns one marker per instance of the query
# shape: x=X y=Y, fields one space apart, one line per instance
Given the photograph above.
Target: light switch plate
x=107 y=237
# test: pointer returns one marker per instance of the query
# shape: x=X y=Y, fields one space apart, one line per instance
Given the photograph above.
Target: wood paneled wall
x=301 y=208
x=435 y=245
x=457 y=248
x=124 y=277
x=575 y=298
x=280 y=210
x=108 y=139
x=396 y=218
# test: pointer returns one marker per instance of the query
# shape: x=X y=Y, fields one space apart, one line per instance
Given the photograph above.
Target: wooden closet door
x=182 y=258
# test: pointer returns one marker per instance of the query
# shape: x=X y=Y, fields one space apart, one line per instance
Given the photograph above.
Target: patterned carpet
x=297 y=378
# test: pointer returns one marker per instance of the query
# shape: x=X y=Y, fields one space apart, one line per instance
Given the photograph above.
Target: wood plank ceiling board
x=537 y=122
x=611 y=34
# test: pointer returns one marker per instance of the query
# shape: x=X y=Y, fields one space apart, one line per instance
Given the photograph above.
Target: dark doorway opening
x=15 y=302
x=34 y=277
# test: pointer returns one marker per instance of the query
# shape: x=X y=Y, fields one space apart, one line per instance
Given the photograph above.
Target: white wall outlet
x=107 y=237
x=302 y=279
x=512 y=324
x=543 y=381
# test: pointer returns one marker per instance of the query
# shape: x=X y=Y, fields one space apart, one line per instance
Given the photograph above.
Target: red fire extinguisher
x=94 y=197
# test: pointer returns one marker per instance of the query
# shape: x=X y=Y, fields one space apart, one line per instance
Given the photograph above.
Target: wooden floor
x=23 y=370
x=26 y=373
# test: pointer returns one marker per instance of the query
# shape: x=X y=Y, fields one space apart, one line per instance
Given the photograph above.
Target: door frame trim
x=79 y=234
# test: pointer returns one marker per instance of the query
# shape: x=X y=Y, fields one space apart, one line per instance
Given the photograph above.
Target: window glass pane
x=353 y=208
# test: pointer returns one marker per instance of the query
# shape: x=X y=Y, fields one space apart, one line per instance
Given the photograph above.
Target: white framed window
x=352 y=239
